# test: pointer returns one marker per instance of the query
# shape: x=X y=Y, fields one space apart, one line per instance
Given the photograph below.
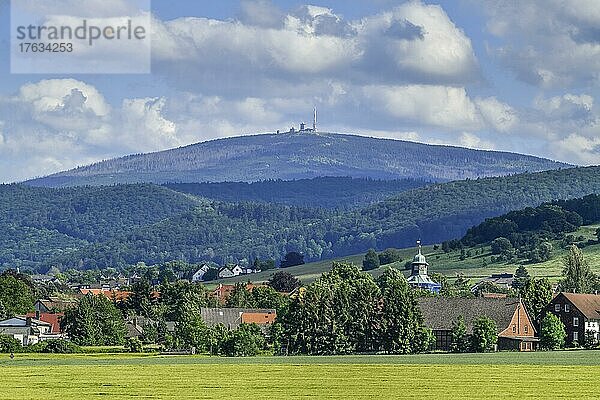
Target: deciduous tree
x=578 y=276
x=94 y=322
x=485 y=335
x=371 y=260
x=15 y=296
x=460 y=340
x=536 y=293
x=400 y=316
x=552 y=334
x=283 y=281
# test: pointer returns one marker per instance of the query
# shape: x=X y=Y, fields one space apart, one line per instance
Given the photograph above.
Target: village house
x=136 y=324
x=45 y=279
x=52 y=318
x=27 y=330
x=198 y=276
x=225 y=272
x=54 y=304
x=515 y=327
x=580 y=313
x=115 y=295
x=502 y=280
x=231 y=318
x=236 y=270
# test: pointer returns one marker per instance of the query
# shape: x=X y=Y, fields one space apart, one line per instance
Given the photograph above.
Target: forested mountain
x=300 y=156
x=328 y=192
x=91 y=227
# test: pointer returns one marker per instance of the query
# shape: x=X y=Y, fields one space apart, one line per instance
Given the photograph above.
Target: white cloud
x=497 y=115
x=568 y=106
x=49 y=95
x=475 y=142
x=60 y=123
x=414 y=43
x=261 y=13
x=422 y=43
x=441 y=106
x=580 y=148
x=552 y=43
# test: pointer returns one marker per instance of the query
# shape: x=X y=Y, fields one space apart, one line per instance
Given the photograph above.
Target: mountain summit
x=290 y=156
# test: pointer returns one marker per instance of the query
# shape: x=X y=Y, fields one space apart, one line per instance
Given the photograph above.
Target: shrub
x=247 y=340
x=134 y=345
x=8 y=344
x=56 y=346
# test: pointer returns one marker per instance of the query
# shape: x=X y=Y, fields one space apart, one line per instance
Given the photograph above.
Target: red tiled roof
x=117 y=295
x=259 y=318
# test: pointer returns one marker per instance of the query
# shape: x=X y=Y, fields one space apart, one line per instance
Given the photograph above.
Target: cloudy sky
x=510 y=75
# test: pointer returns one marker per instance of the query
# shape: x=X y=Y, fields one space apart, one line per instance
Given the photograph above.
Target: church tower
x=418 y=277
x=419 y=264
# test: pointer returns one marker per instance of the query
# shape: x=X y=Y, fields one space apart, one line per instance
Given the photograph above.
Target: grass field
x=568 y=374
x=450 y=264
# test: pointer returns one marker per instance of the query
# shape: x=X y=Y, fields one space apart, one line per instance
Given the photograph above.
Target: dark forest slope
x=91 y=227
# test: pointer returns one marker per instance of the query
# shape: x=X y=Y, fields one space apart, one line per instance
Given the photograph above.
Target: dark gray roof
x=439 y=313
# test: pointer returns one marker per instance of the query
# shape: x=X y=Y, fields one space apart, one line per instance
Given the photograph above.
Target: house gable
x=520 y=324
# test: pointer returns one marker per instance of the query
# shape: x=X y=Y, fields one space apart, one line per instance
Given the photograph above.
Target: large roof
x=232 y=317
x=440 y=313
x=588 y=304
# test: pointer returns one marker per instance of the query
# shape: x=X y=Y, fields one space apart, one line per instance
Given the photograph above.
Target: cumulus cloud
x=418 y=43
x=576 y=147
x=413 y=43
x=554 y=43
x=59 y=123
x=499 y=116
x=441 y=106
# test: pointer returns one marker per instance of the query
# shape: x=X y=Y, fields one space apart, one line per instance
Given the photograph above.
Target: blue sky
x=491 y=74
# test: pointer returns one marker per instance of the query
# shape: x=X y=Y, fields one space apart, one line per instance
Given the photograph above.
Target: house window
x=575 y=321
x=575 y=336
x=567 y=307
x=557 y=307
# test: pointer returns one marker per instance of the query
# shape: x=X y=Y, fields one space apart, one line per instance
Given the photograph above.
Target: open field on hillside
x=478 y=265
x=572 y=374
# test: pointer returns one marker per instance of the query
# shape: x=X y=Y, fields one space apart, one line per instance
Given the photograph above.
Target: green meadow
x=565 y=374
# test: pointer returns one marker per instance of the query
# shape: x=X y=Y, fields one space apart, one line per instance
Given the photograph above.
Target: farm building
x=502 y=280
x=231 y=318
x=579 y=313
x=515 y=327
